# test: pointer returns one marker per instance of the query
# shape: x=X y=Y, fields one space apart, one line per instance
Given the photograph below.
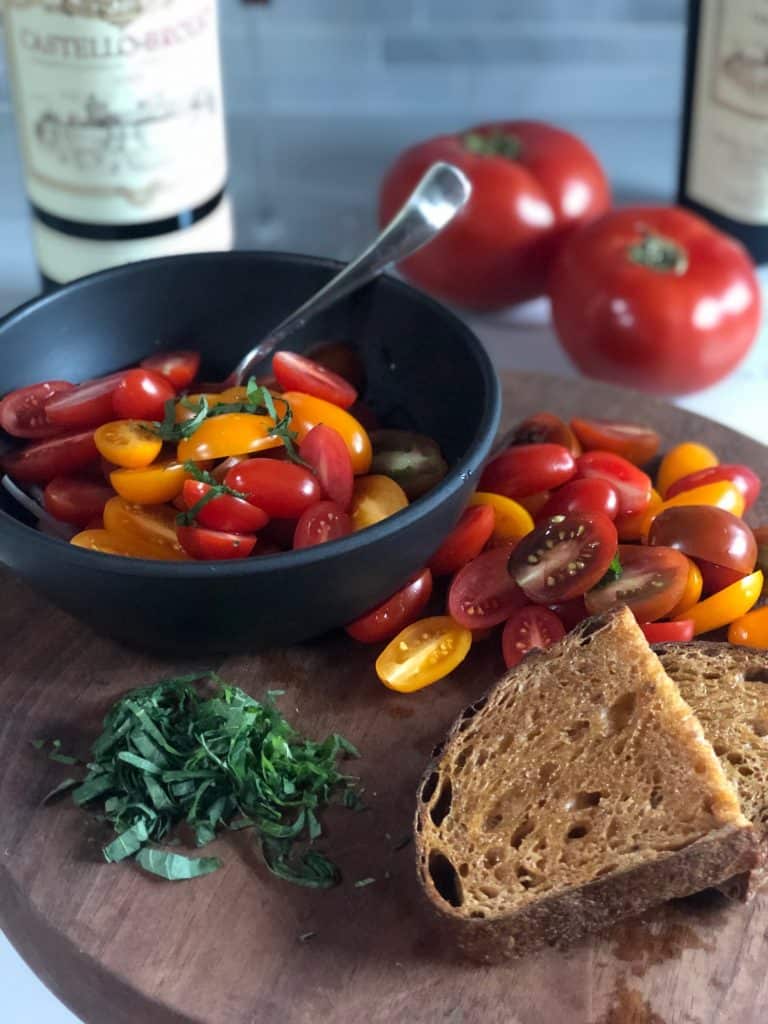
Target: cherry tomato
x=716 y=577
x=57 y=456
x=751 y=630
x=635 y=443
x=534 y=503
x=668 y=632
x=220 y=470
x=632 y=485
x=97 y=539
x=320 y=523
x=702 y=531
x=325 y=451
x=342 y=358
x=652 y=583
x=544 y=428
x=412 y=460
x=22 y=412
x=282 y=489
x=149 y=485
x=308 y=411
x=375 y=498
x=725 y=606
x=634 y=527
x=298 y=373
x=692 y=593
x=527 y=469
x=532 y=183
x=76 y=501
x=234 y=433
x=422 y=653
x=187 y=408
x=131 y=444
x=87 y=405
x=465 y=541
x=531 y=628
x=655 y=298
x=742 y=477
x=213 y=545
x=564 y=557
x=723 y=495
x=761 y=539
x=511 y=520
x=179 y=367
x=570 y=613
x=682 y=460
x=226 y=513
x=153 y=525
x=384 y=621
x=591 y=494
x=483 y=593
x=141 y=395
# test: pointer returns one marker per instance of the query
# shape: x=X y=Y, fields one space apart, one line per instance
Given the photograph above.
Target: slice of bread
x=581 y=790
x=726 y=688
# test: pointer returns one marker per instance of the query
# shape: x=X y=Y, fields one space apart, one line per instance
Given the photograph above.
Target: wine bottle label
x=119 y=106
x=728 y=156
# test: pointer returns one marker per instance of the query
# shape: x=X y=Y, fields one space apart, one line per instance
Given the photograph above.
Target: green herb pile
x=168 y=756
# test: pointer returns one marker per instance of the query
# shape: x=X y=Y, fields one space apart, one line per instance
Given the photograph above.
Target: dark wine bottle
x=724 y=153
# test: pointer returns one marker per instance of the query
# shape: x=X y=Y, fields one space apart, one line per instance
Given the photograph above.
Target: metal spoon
x=435 y=201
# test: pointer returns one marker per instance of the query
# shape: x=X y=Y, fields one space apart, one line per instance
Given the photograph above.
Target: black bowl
x=426 y=371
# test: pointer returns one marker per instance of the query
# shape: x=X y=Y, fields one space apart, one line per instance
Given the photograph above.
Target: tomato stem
x=658 y=253
x=493 y=143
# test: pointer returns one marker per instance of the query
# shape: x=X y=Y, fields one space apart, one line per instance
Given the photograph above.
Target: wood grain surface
x=118 y=946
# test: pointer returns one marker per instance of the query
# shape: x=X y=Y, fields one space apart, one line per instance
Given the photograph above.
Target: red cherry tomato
x=633 y=486
x=570 y=613
x=532 y=183
x=58 y=456
x=668 y=632
x=325 y=451
x=591 y=494
x=531 y=628
x=22 y=412
x=747 y=481
x=297 y=373
x=141 y=395
x=465 y=541
x=483 y=593
x=282 y=489
x=716 y=577
x=544 y=428
x=708 y=533
x=87 y=405
x=564 y=557
x=76 y=501
x=633 y=442
x=386 y=620
x=212 y=545
x=655 y=298
x=652 y=583
x=526 y=469
x=320 y=523
x=179 y=367
x=227 y=513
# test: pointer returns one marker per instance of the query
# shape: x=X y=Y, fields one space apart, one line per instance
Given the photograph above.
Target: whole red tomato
x=654 y=298
x=532 y=183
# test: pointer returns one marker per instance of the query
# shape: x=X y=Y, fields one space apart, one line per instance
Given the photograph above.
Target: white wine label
x=119 y=106
x=728 y=148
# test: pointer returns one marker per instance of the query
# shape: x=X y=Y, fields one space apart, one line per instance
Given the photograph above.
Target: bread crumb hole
x=429 y=787
x=445 y=879
x=477 y=914
x=493 y=856
x=464 y=870
x=719 y=749
x=745 y=771
x=577 y=730
x=577 y=831
x=582 y=801
x=621 y=711
x=461 y=760
x=656 y=797
x=523 y=829
x=734 y=757
x=760 y=727
x=756 y=675
x=442 y=806
x=492 y=822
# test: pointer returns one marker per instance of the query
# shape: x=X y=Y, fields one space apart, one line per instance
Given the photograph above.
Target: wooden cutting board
x=240 y=947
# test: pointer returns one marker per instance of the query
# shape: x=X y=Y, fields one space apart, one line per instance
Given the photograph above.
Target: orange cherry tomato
x=422 y=653
x=723 y=495
x=682 y=460
x=110 y=544
x=308 y=411
x=375 y=498
x=234 y=433
x=128 y=443
x=511 y=520
x=187 y=407
x=148 y=524
x=150 y=485
x=631 y=527
x=692 y=592
x=726 y=605
x=751 y=630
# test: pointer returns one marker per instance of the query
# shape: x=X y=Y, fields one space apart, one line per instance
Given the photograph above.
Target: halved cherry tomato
x=465 y=541
x=381 y=623
x=320 y=523
x=412 y=460
x=87 y=405
x=668 y=632
x=631 y=527
x=234 y=433
x=96 y=539
x=570 y=613
x=213 y=545
x=483 y=593
x=131 y=444
x=632 y=485
x=530 y=628
x=682 y=460
x=57 y=456
x=527 y=469
x=180 y=367
x=76 y=501
x=544 y=428
x=751 y=630
x=724 y=495
x=716 y=577
x=375 y=498
x=692 y=593
x=226 y=512
x=295 y=372
x=422 y=653
x=22 y=412
x=741 y=477
x=325 y=451
x=703 y=531
x=652 y=583
x=725 y=606
x=141 y=395
x=633 y=442
x=564 y=557
x=150 y=485
x=153 y=525
x=282 y=489
x=511 y=520
x=590 y=494
x=308 y=411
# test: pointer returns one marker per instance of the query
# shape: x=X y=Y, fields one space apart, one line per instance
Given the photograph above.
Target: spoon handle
x=435 y=201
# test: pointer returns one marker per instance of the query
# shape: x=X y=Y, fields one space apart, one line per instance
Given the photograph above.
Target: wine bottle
x=120 y=119
x=724 y=154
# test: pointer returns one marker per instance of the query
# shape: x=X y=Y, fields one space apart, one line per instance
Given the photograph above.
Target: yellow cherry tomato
x=422 y=653
x=751 y=630
x=631 y=527
x=723 y=494
x=234 y=433
x=681 y=460
x=375 y=498
x=153 y=525
x=692 y=592
x=308 y=411
x=726 y=605
x=512 y=521
x=109 y=544
x=151 y=485
x=128 y=443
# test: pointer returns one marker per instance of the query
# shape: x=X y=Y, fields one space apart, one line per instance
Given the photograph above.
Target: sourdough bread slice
x=581 y=790
x=726 y=688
